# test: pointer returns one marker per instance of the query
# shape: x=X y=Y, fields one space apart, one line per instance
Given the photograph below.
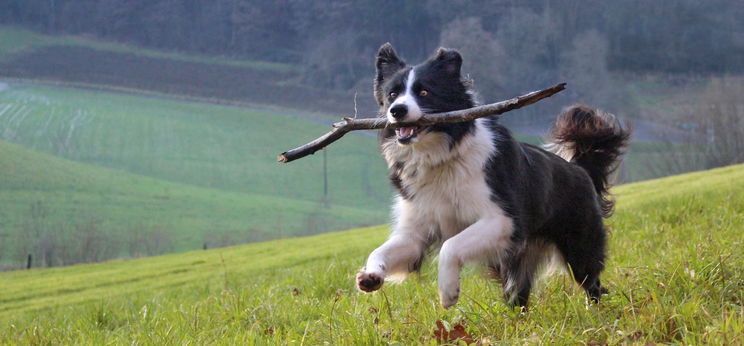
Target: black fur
x=597 y=139
x=550 y=200
x=388 y=63
x=397 y=182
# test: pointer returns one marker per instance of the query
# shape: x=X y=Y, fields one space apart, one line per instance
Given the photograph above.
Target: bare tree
x=93 y=243
x=584 y=66
x=148 y=240
x=720 y=113
x=713 y=124
x=485 y=59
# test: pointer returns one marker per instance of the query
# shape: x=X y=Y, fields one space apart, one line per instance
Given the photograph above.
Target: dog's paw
x=448 y=296
x=369 y=282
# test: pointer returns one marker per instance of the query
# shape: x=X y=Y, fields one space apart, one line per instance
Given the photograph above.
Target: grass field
x=220 y=147
x=121 y=206
x=208 y=145
x=190 y=172
x=15 y=41
x=674 y=273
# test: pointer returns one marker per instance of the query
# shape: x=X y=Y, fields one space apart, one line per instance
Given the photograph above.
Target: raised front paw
x=369 y=282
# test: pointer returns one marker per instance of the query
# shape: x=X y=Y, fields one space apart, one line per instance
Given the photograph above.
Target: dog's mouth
x=406 y=135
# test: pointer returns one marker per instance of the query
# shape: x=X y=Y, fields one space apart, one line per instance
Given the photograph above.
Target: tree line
x=639 y=36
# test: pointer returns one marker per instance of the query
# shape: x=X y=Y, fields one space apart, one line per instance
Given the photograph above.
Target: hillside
x=220 y=147
x=48 y=199
x=674 y=274
x=226 y=153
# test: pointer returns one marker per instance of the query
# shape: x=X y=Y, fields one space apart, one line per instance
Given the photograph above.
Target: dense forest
x=334 y=40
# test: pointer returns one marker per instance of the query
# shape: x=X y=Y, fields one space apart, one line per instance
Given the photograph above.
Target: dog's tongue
x=405 y=132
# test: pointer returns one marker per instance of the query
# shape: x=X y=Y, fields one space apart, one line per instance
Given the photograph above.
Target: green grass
x=120 y=204
x=219 y=147
x=13 y=41
x=16 y=40
x=674 y=273
x=224 y=155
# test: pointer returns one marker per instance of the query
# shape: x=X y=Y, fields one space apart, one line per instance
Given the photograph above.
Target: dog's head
x=405 y=93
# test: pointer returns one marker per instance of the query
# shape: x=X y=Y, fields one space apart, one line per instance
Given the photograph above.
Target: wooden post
x=28 y=262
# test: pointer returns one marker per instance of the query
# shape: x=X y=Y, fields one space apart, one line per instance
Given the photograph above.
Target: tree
x=484 y=58
x=720 y=112
x=584 y=66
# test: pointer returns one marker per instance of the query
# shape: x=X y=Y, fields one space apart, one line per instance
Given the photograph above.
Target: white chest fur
x=447 y=186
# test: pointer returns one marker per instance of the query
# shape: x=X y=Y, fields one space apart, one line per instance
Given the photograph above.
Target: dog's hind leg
x=476 y=243
x=517 y=282
x=585 y=257
x=519 y=270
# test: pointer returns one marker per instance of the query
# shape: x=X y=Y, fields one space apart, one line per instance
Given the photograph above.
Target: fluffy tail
x=593 y=140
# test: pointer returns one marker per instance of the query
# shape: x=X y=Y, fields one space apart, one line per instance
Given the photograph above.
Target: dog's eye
x=393 y=95
x=423 y=93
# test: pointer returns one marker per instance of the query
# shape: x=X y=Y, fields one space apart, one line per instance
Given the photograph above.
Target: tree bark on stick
x=350 y=124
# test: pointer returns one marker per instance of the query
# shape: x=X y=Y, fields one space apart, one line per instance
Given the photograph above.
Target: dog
x=478 y=195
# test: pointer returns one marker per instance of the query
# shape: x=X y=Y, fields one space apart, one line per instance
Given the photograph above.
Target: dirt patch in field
x=202 y=80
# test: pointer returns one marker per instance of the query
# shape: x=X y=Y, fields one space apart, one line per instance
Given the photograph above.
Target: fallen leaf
x=441 y=334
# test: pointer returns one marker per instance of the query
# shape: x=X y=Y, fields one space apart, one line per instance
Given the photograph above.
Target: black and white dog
x=482 y=196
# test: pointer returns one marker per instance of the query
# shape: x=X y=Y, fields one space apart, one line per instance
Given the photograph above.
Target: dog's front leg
x=483 y=239
x=398 y=255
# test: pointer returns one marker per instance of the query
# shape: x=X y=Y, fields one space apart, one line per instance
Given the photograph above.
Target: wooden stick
x=350 y=124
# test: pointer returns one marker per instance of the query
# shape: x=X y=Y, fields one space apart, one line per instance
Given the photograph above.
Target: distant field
x=674 y=274
x=219 y=147
x=15 y=41
x=178 y=174
x=48 y=199
x=82 y=62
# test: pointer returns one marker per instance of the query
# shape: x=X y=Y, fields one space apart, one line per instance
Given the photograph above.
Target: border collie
x=478 y=195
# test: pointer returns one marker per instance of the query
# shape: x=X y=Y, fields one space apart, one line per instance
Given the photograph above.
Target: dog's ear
x=387 y=64
x=449 y=60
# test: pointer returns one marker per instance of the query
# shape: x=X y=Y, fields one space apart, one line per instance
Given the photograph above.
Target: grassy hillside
x=45 y=197
x=221 y=147
x=674 y=273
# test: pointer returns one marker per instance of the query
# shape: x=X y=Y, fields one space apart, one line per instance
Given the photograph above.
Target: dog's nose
x=399 y=111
